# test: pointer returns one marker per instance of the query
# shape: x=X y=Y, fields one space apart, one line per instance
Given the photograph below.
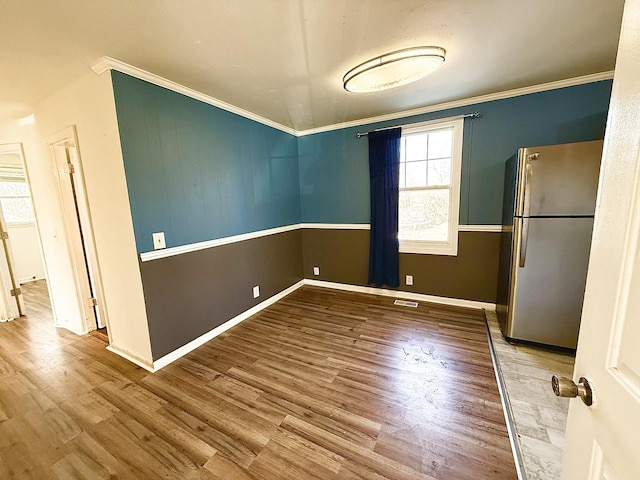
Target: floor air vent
x=406 y=303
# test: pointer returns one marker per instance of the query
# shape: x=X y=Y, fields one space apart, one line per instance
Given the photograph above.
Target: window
x=430 y=160
x=14 y=196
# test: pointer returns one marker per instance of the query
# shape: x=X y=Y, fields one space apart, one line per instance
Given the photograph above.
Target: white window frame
x=450 y=247
x=14 y=173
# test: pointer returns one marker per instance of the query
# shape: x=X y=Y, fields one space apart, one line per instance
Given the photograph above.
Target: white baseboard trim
x=457 y=302
x=31 y=279
x=133 y=359
x=69 y=329
x=201 y=340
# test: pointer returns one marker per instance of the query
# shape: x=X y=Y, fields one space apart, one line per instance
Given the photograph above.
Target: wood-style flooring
x=321 y=385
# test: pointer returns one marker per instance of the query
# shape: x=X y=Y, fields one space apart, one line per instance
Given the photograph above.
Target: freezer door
x=510 y=188
x=558 y=180
x=548 y=279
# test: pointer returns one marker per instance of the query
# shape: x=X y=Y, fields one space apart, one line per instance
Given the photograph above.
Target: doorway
x=65 y=154
x=20 y=256
x=79 y=305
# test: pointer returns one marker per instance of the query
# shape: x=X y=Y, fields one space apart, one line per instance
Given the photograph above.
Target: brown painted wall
x=343 y=257
x=190 y=294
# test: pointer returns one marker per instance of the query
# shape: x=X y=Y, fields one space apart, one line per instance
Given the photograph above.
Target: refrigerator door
x=558 y=180
x=506 y=237
x=548 y=279
x=504 y=276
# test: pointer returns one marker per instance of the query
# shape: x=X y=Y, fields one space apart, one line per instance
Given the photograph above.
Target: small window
x=430 y=161
x=14 y=196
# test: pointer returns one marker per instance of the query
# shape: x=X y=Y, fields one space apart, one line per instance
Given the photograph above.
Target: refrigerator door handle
x=524 y=240
x=528 y=179
x=526 y=207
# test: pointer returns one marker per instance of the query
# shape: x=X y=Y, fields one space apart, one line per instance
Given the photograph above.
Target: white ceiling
x=284 y=59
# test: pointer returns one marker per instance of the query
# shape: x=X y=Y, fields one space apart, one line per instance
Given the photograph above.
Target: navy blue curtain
x=384 y=170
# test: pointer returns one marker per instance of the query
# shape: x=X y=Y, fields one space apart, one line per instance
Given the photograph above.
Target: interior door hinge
x=15 y=292
x=94 y=302
x=4 y=235
x=68 y=168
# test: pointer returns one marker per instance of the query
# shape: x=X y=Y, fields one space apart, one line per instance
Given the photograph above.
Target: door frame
x=68 y=137
x=9 y=275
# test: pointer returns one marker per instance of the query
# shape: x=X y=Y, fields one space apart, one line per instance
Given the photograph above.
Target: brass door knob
x=565 y=387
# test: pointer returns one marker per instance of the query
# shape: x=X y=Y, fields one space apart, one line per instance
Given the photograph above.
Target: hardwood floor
x=322 y=385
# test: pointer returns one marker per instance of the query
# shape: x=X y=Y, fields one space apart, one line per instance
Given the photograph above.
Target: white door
x=88 y=241
x=72 y=197
x=601 y=439
x=11 y=301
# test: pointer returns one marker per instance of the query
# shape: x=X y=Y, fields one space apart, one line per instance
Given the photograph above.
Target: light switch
x=316 y=270
x=158 y=240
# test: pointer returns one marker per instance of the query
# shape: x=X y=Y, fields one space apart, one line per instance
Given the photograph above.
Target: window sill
x=429 y=248
x=21 y=225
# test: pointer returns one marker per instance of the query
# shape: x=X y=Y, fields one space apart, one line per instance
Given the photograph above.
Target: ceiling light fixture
x=394 y=69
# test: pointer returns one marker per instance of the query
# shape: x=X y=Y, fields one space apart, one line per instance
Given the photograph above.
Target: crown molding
x=543 y=87
x=108 y=63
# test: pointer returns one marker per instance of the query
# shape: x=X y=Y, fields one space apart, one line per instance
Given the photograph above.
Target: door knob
x=565 y=387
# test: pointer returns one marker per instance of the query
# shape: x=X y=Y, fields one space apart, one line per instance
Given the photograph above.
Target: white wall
x=26 y=252
x=24 y=241
x=40 y=172
x=88 y=103
x=23 y=131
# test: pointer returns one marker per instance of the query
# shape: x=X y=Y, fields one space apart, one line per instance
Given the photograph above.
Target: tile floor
x=540 y=417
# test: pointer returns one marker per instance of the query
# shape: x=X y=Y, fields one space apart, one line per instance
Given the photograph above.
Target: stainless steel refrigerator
x=549 y=202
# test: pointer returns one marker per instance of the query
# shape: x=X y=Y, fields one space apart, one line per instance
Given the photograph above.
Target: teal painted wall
x=334 y=171
x=197 y=172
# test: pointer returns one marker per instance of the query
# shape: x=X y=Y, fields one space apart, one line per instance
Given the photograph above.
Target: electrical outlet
x=409 y=280
x=316 y=270
x=256 y=291
x=158 y=240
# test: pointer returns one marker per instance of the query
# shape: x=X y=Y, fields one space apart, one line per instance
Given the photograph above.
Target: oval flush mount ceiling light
x=393 y=69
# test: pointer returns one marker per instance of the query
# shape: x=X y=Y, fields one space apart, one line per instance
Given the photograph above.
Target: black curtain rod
x=466 y=115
